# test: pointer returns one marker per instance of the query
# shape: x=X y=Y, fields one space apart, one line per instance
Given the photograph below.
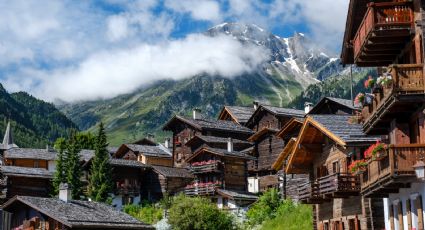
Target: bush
x=192 y=213
x=265 y=208
x=290 y=216
x=146 y=212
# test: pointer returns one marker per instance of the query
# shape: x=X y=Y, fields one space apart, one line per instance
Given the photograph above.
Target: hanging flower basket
x=380 y=155
x=358 y=167
x=369 y=83
x=384 y=80
x=360 y=98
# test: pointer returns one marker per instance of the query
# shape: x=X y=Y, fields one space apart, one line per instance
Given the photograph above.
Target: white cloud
x=208 y=10
x=111 y=73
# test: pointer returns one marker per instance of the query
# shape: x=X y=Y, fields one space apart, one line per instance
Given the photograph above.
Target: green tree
x=192 y=213
x=265 y=208
x=60 y=173
x=100 y=180
x=73 y=167
x=86 y=140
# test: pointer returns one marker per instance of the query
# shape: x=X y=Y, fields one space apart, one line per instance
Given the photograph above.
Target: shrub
x=192 y=213
x=146 y=212
x=290 y=216
x=265 y=208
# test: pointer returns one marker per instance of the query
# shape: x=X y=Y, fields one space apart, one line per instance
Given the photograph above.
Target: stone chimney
x=307 y=107
x=197 y=114
x=167 y=143
x=151 y=137
x=229 y=145
x=65 y=192
x=255 y=103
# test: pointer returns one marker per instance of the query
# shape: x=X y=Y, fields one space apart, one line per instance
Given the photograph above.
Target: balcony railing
x=309 y=192
x=128 y=190
x=201 y=190
x=207 y=167
x=339 y=184
x=396 y=167
x=407 y=79
x=382 y=19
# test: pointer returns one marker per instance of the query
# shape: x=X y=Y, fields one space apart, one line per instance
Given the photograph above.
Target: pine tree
x=73 y=167
x=60 y=173
x=100 y=181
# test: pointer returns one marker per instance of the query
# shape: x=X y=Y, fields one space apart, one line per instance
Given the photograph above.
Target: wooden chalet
x=220 y=169
x=185 y=129
x=324 y=148
x=266 y=122
x=390 y=35
x=332 y=105
x=146 y=154
x=161 y=180
x=238 y=114
x=27 y=212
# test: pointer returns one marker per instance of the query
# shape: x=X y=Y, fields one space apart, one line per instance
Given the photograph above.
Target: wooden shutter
x=418 y=205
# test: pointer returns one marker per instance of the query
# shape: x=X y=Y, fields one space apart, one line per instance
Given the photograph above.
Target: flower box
x=376 y=152
x=358 y=167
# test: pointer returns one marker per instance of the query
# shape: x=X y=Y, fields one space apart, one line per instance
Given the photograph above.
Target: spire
x=8 y=138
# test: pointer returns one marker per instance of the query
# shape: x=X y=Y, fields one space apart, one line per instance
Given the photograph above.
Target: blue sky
x=80 y=50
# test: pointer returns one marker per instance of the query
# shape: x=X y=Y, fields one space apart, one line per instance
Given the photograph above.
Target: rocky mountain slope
x=295 y=64
x=35 y=123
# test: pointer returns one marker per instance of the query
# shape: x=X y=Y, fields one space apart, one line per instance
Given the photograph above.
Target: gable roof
x=213 y=139
x=16 y=171
x=172 y=171
x=147 y=150
x=239 y=114
x=256 y=136
x=221 y=152
x=81 y=214
x=290 y=126
x=276 y=111
x=127 y=163
x=348 y=104
x=37 y=154
x=237 y=195
x=278 y=164
x=208 y=124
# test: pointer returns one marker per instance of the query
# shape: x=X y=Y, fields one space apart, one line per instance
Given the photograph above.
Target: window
x=225 y=202
x=127 y=200
x=335 y=167
x=36 y=164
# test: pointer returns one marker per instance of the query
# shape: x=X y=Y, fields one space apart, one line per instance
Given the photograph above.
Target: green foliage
x=265 y=208
x=192 y=213
x=60 y=173
x=290 y=216
x=100 y=180
x=73 y=167
x=35 y=123
x=146 y=212
x=86 y=140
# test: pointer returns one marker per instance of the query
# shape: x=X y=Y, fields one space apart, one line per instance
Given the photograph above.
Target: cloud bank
x=85 y=50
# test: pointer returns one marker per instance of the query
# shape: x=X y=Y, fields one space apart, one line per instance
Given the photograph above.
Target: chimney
x=151 y=137
x=197 y=114
x=65 y=192
x=167 y=142
x=229 y=145
x=307 y=107
x=49 y=149
x=255 y=105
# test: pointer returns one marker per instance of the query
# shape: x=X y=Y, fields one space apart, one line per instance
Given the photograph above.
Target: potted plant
x=376 y=152
x=369 y=83
x=384 y=80
x=360 y=98
x=357 y=167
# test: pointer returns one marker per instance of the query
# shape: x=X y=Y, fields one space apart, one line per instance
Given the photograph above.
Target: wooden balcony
x=339 y=185
x=385 y=29
x=204 y=190
x=393 y=172
x=214 y=167
x=402 y=97
x=132 y=190
x=308 y=193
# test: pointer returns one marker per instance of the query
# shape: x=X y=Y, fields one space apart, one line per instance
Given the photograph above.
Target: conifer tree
x=60 y=173
x=100 y=180
x=73 y=167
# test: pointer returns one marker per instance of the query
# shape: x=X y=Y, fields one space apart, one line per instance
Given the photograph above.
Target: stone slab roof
x=341 y=127
x=237 y=195
x=127 y=163
x=80 y=214
x=172 y=171
x=241 y=113
x=26 y=172
x=224 y=153
x=23 y=153
x=148 y=150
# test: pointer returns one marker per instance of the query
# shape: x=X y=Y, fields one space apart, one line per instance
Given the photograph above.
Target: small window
x=36 y=164
x=335 y=167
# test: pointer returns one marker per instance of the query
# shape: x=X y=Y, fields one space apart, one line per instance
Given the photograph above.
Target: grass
x=291 y=218
x=147 y=213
